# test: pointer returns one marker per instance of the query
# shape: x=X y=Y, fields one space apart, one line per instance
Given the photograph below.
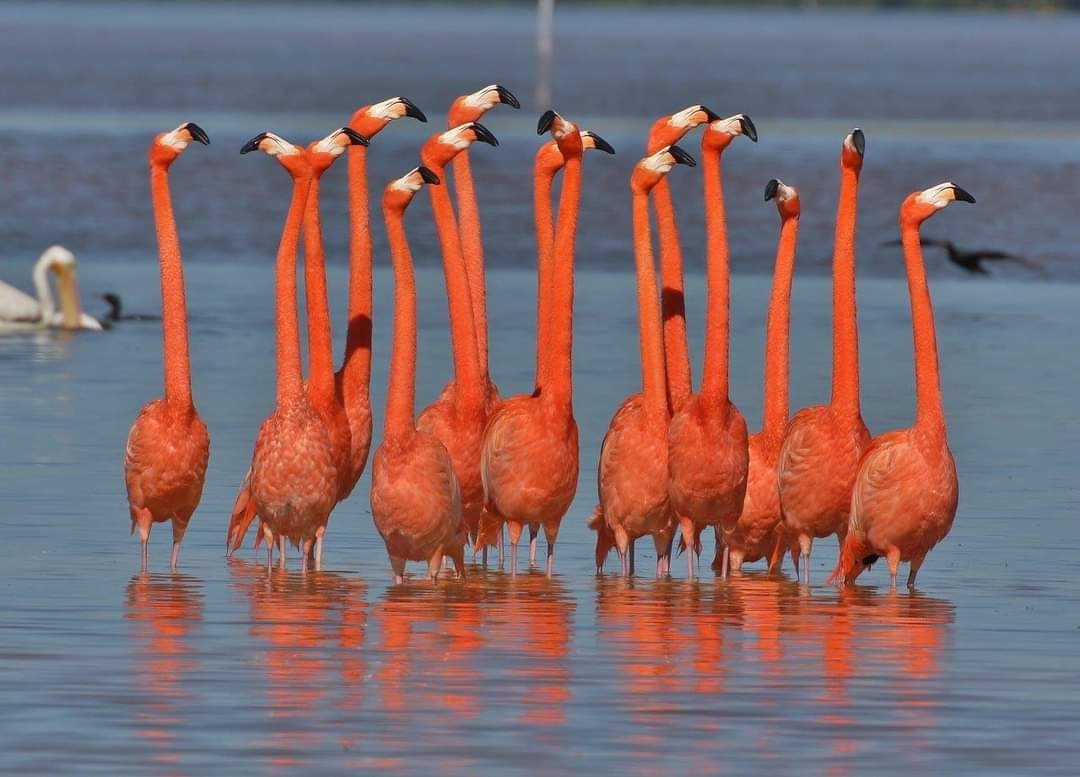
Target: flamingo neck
x=650 y=333
x=41 y=286
x=777 y=331
x=714 y=380
x=929 y=413
x=472 y=247
x=559 y=357
x=469 y=391
x=545 y=241
x=289 y=385
x=173 y=303
x=845 y=378
x=401 y=392
x=320 y=334
x=672 y=297
x=356 y=369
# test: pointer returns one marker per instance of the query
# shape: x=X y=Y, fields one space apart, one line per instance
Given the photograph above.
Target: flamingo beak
x=253 y=144
x=355 y=138
x=771 y=188
x=961 y=195
x=681 y=157
x=411 y=110
x=858 y=140
x=748 y=128
x=198 y=134
x=428 y=176
x=599 y=143
x=506 y=97
x=483 y=134
x=545 y=122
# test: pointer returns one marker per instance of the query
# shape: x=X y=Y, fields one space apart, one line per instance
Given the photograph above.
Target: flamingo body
x=462 y=437
x=757 y=532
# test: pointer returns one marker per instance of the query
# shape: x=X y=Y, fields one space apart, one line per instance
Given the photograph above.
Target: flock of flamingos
x=474 y=465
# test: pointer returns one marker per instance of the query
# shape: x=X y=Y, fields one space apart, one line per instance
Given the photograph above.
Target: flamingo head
x=549 y=160
x=671 y=129
x=919 y=206
x=291 y=157
x=565 y=133
x=853 y=150
x=371 y=119
x=856 y=556
x=786 y=197
x=322 y=153
x=472 y=107
x=441 y=148
x=167 y=146
x=648 y=172
x=399 y=192
x=720 y=132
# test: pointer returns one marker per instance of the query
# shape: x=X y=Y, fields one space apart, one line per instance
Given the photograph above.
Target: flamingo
x=823 y=444
x=293 y=480
x=465 y=109
x=632 y=475
x=19 y=311
x=415 y=499
x=457 y=418
x=664 y=132
x=904 y=499
x=756 y=535
x=707 y=445
x=168 y=446
x=530 y=453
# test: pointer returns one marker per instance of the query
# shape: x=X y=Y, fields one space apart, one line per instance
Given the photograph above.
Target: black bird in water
x=116 y=310
x=972 y=260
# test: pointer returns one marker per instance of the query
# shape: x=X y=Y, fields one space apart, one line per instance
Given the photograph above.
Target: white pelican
x=20 y=311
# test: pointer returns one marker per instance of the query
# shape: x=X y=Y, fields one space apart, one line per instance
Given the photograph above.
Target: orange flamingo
x=415 y=499
x=632 y=476
x=168 y=445
x=293 y=479
x=465 y=109
x=666 y=131
x=707 y=445
x=458 y=416
x=530 y=452
x=354 y=378
x=823 y=444
x=756 y=534
x=904 y=499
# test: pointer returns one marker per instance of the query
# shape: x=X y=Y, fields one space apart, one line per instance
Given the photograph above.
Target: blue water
x=219 y=666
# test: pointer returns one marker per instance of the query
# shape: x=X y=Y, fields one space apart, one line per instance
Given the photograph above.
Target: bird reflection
x=162 y=611
x=310 y=629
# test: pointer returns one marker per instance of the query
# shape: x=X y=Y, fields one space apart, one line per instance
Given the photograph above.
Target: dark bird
x=972 y=260
x=116 y=310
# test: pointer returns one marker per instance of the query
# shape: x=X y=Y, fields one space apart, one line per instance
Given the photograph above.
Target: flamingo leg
x=725 y=561
x=916 y=563
x=175 y=557
x=622 y=563
x=806 y=543
x=687 y=528
x=893 y=558
x=550 y=558
x=318 y=551
x=502 y=546
x=398 y=567
x=631 y=571
x=534 y=532
x=144 y=553
x=281 y=551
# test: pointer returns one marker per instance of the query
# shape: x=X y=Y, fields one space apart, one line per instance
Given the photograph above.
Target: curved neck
x=714 y=379
x=545 y=243
x=775 y=415
x=469 y=391
x=472 y=247
x=288 y=329
x=928 y=409
x=401 y=392
x=559 y=350
x=653 y=381
x=356 y=367
x=41 y=286
x=320 y=334
x=845 y=377
x=672 y=298
x=173 y=304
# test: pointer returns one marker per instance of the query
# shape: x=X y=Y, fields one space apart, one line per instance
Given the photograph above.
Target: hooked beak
x=599 y=143
x=748 y=128
x=483 y=134
x=197 y=133
x=771 y=188
x=546 y=121
x=681 y=157
x=506 y=97
x=961 y=195
x=858 y=140
x=428 y=176
x=355 y=138
x=253 y=144
x=411 y=110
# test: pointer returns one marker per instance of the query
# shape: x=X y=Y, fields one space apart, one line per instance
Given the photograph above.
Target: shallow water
x=220 y=665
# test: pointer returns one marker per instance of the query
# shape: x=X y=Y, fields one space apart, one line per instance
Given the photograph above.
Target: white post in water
x=545 y=52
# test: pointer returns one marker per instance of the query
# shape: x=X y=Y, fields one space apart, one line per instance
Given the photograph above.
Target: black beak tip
x=412 y=111
x=506 y=97
x=253 y=144
x=354 y=136
x=748 y=128
x=484 y=135
x=681 y=157
x=962 y=195
x=545 y=122
x=601 y=144
x=858 y=139
x=197 y=133
x=771 y=188
x=428 y=176
x=710 y=114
